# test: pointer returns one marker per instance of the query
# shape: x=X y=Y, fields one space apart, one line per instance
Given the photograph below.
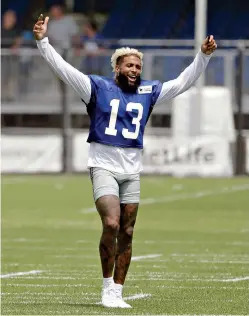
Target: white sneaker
x=109 y=297
x=121 y=303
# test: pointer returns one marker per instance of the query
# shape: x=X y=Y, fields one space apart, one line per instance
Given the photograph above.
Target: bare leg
x=109 y=210
x=124 y=246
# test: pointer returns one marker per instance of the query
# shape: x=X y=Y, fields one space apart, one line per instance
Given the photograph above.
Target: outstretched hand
x=40 y=28
x=209 y=45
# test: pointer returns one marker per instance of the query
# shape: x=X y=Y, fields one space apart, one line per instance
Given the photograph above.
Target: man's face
x=128 y=73
x=9 y=19
x=56 y=12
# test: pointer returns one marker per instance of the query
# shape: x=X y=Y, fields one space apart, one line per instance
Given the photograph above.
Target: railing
x=30 y=86
x=224 y=43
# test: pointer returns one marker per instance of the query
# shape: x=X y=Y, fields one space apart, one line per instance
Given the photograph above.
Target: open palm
x=40 y=28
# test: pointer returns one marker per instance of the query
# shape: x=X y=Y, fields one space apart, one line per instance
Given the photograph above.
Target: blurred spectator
x=61 y=29
x=93 y=44
x=10 y=33
x=10 y=39
x=26 y=58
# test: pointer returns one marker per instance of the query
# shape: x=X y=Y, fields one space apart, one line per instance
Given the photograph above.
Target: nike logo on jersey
x=144 y=89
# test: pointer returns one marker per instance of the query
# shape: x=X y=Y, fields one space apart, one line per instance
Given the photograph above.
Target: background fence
x=35 y=87
x=36 y=102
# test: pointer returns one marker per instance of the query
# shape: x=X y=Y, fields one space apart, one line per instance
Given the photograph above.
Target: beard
x=123 y=82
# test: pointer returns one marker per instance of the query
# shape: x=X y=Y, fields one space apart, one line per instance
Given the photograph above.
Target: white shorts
x=125 y=187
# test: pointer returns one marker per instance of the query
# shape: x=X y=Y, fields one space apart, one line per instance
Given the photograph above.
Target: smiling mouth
x=132 y=78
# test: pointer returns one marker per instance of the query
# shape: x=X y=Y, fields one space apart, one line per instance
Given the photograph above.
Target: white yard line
x=188 y=279
x=137 y=296
x=32 y=248
x=25 y=240
x=186 y=196
x=237 y=279
x=203 y=255
x=27 y=285
x=216 y=261
x=88 y=210
x=138 y=258
x=28 y=294
x=201 y=287
x=11 y=180
x=14 y=274
x=43 y=294
x=193 y=242
x=153 y=278
x=190 y=262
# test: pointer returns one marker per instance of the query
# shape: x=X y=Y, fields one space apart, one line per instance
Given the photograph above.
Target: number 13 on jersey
x=111 y=129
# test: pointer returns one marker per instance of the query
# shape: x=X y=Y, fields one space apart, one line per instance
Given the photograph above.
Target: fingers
x=211 y=38
x=212 y=48
x=46 y=20
x=41 y=21
x=38 y=27
x=207 y=40
x=41 y=24
x=40 y=17
x=211 y=44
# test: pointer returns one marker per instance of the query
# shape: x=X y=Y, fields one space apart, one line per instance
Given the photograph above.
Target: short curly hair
x=124 y=51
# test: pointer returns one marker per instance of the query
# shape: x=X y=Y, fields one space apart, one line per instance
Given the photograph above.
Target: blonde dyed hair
x=125 y=51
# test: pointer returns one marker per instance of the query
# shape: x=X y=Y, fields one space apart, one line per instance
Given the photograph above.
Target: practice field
x=190 y=254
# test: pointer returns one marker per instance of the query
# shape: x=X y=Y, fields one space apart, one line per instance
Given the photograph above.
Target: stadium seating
x=146 y=19
x=158 y=19
x=163 y=19
x=175 y=19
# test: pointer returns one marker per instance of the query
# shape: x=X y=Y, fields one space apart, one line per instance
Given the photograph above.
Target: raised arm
x=70 y=75
x=187 y=78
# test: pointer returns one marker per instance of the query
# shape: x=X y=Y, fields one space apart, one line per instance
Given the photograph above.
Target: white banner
x=201 y=156
x=193 y=114
x=80 y=152
x=247 y=155
x=31 y=154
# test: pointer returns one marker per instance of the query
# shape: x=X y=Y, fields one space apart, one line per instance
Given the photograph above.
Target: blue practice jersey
x=119 y=118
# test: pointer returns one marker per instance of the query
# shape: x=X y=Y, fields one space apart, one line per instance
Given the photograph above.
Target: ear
x=117 y=69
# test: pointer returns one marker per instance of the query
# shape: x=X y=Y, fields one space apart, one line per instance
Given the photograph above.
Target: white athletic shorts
x=125 y=187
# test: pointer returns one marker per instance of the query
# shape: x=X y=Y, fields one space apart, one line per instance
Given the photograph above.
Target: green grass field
x=190 y=254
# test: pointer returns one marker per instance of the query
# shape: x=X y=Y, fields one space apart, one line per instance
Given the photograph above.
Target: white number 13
x=111 y=130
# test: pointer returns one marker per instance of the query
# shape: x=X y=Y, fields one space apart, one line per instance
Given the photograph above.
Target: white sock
x=108 y=282
x=118 y=289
